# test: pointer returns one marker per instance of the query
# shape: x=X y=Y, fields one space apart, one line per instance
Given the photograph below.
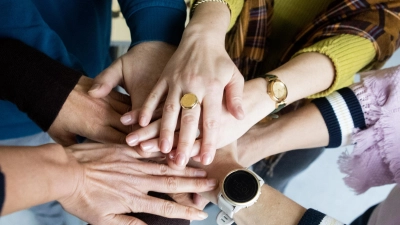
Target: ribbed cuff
x=165 y=24
x=314 y=217
x=37 y=84
x=311 y=217
x=349 y=54
x=342 y=113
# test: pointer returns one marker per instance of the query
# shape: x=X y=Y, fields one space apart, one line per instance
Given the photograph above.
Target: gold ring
x=189 y=101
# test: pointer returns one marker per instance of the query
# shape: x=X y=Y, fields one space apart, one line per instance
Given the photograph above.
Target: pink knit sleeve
x=375 y=159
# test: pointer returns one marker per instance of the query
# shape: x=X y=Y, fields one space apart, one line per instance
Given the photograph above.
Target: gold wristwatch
x=277 y=90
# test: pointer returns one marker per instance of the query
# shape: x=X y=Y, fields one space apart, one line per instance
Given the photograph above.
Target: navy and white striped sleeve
x=314 y=217
x=342 y=113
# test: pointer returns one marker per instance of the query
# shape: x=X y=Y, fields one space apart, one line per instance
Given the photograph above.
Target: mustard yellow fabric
x=234 y=5
x=349 y=54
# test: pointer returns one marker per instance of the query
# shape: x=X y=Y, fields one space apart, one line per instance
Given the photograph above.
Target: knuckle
x=163 y=169
x=189 y=212
x=170 y=108
x=211 y=124
x=189 y=172
x=171 y=183
x=214 y=86
x=168 y=209
x=200 y=183
x=188 y=119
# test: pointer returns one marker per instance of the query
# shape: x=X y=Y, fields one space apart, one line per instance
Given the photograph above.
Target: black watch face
x=240 y=186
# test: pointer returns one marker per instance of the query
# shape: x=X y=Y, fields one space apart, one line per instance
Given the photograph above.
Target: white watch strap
x=225 y=206
x=224 y=219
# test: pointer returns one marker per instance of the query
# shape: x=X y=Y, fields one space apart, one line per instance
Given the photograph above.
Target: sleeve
x=2 y=190
x=156 y=20
x=349 y=54
x=30 y=80
x=235 y=6
x=342 y=112
x=313 y=217
x=21 y=20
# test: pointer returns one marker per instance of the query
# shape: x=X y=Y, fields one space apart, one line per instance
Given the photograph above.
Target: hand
x=96 y=119
x=111 y=181
x=257 y=105
x=137 y=72
x=200 y=66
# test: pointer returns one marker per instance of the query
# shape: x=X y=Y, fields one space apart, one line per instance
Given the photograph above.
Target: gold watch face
x=279 y=90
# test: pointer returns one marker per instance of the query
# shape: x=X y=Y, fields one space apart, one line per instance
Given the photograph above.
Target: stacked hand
x=96 y=119
x=111 y=181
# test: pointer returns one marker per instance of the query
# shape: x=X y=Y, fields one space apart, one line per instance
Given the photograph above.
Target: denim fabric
x=289 y=165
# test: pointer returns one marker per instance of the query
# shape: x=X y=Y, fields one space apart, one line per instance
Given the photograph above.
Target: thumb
x=125 y=220
x=107 y=80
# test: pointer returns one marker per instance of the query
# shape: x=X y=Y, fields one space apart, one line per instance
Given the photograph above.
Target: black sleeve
x=37 y=84
x=2 y=190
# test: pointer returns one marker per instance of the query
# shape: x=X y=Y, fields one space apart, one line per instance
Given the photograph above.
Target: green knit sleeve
x=349 y=54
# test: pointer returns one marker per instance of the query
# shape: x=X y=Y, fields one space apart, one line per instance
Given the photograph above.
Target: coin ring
x=189 y=101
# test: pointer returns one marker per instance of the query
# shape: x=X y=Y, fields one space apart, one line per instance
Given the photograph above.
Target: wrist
x=210 y=20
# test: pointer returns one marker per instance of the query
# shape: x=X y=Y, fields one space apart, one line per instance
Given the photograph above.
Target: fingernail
x=146 y=146
x=180 y=159
x=240 y=111
x=172 y=155
x=143 y=121
x=132 y=139
x=212 y=182
x=95 y=87
x=202 y=215
x=206 y=159
x=164 y=146
x=125 y=119
x=200 y=173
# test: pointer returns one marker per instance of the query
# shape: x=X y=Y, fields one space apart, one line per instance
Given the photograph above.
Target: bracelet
x=203 y=1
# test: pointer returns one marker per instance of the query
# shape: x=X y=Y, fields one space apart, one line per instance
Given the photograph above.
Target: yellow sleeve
x=349 y=54
x=235 y=7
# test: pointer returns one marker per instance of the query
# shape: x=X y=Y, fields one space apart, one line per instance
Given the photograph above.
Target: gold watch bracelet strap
x=281 y=105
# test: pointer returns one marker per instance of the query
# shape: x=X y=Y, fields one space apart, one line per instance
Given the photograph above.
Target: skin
x=200 y=66
x=296 y=74
x=90 y=175
x=96 y=119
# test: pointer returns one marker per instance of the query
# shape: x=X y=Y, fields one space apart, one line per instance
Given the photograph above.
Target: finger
x=164 y=170
x=118 y=106
x=120 y=97
x=212 y=108
x=151 y=103
x=114 y=121
x=234 y=95
x=109 y=135
x=107 y=80
x=145 y=133
x=168 y=209
x=187 y=136
x=153 y=146
x=124 y=219
x=169 y=120
x=131 y=117
x=199 y=201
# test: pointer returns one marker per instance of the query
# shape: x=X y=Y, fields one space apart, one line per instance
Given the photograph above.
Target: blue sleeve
x=2 y=190
x=154 y=20
x=21 y=20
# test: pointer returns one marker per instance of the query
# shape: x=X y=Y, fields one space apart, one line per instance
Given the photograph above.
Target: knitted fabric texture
x=375 y=159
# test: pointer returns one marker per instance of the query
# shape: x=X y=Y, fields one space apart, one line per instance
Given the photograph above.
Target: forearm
x=272 y=207
x=303 y=128
x=35 y=175
x=34 y=82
